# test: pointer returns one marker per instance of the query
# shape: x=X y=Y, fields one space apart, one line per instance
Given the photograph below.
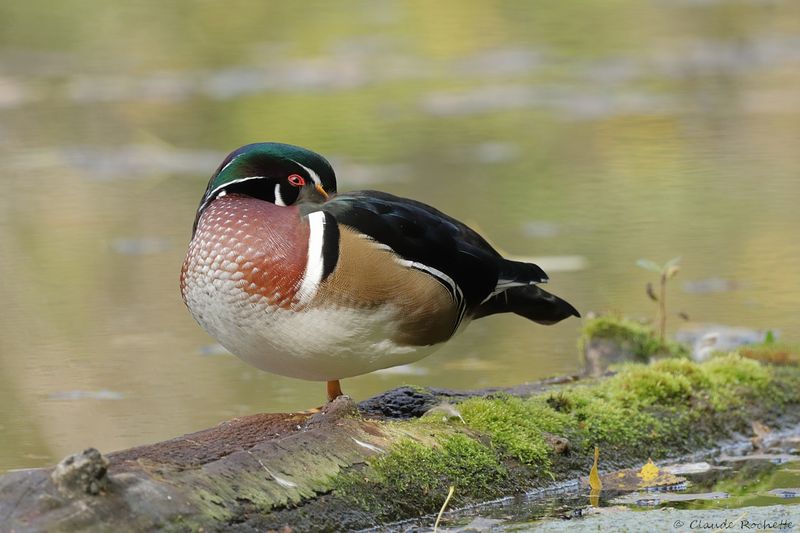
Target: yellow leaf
x=594 y=477
x=649 y=471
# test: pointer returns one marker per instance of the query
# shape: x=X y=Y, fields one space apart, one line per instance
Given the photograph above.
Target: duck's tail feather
x=530 y=302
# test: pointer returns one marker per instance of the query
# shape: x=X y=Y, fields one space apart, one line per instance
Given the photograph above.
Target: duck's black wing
x=434 y=241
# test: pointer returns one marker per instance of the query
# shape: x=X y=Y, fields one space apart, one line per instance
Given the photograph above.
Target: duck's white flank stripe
x=455 y=290
x=314 y=263
x=278 y=198
x=314 y=175
x=377 y=244
x=452 y=287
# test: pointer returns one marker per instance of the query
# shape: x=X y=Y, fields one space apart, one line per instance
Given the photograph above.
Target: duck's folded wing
x=423 y=236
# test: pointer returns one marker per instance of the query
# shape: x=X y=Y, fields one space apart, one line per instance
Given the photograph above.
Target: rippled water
x=585 y=134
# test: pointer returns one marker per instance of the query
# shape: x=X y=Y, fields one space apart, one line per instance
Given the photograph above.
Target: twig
x=444 y=506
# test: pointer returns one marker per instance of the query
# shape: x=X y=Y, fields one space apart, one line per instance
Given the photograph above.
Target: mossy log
x=351 y=466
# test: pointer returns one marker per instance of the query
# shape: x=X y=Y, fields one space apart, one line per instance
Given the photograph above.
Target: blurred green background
x=586 y=134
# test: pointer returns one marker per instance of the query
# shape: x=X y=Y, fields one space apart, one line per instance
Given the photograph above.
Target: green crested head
x=283 y=174
x=274 y=160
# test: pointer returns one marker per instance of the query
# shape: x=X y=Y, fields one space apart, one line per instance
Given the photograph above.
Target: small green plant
x=666 y=272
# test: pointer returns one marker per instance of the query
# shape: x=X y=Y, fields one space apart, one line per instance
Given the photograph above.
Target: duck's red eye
x=296 y=180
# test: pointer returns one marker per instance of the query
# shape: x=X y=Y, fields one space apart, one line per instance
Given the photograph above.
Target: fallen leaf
x=649 y=472
x=594 y=477
x=632 y=479
x=594 y=481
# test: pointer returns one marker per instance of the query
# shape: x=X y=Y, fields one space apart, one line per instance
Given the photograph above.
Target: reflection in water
x=586 y=134
x=103 y=394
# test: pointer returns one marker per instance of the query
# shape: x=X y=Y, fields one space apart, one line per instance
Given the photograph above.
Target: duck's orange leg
x=334 y=390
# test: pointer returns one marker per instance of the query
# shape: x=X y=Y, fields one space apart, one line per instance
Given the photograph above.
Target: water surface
x=595 y=132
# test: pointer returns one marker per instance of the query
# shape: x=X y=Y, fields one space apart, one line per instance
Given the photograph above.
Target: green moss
x=696 y=375
x=604 y=422
x=516 y=426
x=663 y=408
x=417 y=476
x=641 y=386
x=460 y=461
x=733 y=370
x=635 y=336
x=642 y=405
x=735 y=381
x=212 y=506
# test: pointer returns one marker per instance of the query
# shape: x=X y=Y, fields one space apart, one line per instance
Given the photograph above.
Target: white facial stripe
x=278 y=198
x=233 y=182
x=229 y=163
x=314 y=263
x=314 y=175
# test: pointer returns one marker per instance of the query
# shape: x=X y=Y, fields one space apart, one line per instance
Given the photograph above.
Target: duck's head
x=282 y=174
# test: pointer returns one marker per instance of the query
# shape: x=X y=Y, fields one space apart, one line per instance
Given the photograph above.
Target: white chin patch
x=314 y=262
x=278 y=198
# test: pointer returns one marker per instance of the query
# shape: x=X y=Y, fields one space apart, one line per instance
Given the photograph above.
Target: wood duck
x=298 y=280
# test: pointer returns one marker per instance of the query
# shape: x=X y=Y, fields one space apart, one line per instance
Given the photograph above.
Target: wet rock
x=560 y=445
x=414 y=402
x=705 y=339
x=83 y=473
x=403 y=402
x=785 y=493
x=688 y=468
x=609 y=339
x=600 y=353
